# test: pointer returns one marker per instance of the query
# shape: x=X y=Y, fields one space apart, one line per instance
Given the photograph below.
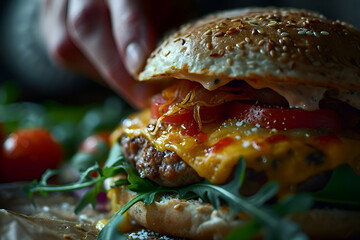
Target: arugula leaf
x=293 y=203
x=275 y=227
x=247 y=231
x=268 y=218
x=110 y=230
x=84 y=181
x=89 y=197
x=341 y=188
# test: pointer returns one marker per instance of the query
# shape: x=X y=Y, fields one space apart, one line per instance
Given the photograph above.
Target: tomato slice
x=156 y=111
x=221 y=145
x=285 y=118
x=207 y=114
x=264 y=117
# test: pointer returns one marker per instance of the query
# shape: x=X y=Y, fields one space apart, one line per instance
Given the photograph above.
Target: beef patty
x=165 y=168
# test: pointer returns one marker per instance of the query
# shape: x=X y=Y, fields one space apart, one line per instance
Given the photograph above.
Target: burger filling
x=191 y=133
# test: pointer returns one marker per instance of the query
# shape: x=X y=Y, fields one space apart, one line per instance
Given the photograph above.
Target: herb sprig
x=268 y=218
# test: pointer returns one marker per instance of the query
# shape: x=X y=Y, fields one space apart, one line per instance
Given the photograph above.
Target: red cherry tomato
x=285 y=118
x=91 y=143
x=27 y=153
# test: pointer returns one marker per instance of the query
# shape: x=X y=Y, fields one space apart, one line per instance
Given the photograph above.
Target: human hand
x=109 y=39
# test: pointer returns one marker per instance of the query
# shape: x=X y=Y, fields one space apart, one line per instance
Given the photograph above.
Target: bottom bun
x=198 y=220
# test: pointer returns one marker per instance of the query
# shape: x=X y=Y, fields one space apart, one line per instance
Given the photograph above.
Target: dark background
x=24 y=60
x=345 y=10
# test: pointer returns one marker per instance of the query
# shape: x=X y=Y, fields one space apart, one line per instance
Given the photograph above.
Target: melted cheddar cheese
x=289 y=157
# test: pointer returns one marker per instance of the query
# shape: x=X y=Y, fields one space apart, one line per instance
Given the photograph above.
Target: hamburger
x=275 y=90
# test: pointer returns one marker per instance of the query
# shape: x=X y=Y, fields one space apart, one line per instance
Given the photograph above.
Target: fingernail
x=135 y=58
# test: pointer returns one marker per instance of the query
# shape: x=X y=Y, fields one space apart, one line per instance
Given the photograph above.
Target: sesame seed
x=240 y=45
x=262 y=51
x=308 y=33
x=230 y=61
x=272 y=23
x=208 y=32
x=231 y=30
x=229 y=48
x=324 y=33
x=316 y=34
x=261 y=42
x=272 y=53
x=178 y=207
x=247 y=39
x=254 y=32
x=219 y=34
x=235 y=20
x=301 y=32
x=284 y=34
x=286 y=39
x=209 y=46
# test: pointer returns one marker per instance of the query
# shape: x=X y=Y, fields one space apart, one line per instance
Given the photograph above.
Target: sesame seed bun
x=197 y=220
x=260 y=45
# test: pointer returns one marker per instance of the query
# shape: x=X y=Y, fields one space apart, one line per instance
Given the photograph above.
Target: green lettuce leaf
x=343 y=188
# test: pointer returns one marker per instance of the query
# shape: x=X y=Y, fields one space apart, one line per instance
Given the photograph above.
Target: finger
x=61 y=48
x=90 y=27
x=133 y=31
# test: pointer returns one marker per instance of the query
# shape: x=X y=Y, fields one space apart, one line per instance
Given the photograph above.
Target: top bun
x=266 y=45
